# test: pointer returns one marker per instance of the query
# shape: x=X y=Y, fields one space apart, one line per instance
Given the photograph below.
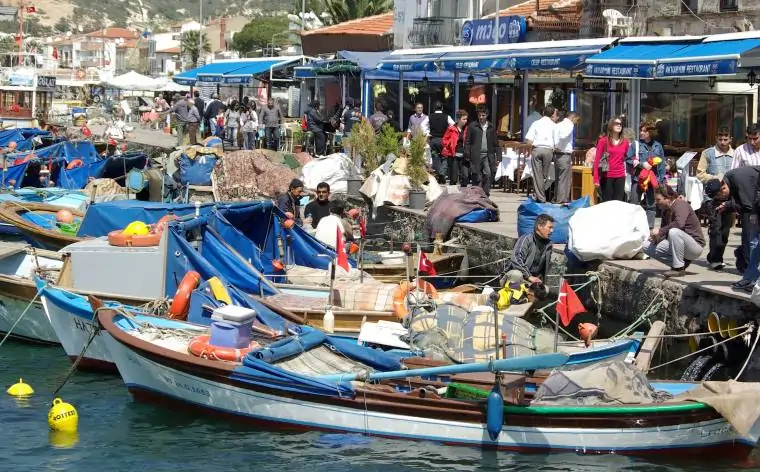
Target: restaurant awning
x=245 y=74
x=542 y=55
x=636 y=58
x=716 y=55
x=233 y=72
x=191 y=76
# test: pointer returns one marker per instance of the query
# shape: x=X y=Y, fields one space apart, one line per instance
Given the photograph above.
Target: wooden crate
x=583 y=183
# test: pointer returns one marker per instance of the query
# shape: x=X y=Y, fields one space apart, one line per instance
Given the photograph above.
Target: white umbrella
x=171 y=86
x=133 y=81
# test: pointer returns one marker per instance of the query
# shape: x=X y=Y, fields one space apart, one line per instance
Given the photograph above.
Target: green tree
x=62 y=25
x=260 y=32
x=190 y=46
x=346 y=10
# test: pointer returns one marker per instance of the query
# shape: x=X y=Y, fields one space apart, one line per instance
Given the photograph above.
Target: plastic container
x=231 y=326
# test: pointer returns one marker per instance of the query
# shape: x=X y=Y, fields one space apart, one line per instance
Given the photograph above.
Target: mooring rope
x=700 y=350
x=8 y=334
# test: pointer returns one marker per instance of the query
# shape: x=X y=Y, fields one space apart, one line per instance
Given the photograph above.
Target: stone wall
x=707 y=17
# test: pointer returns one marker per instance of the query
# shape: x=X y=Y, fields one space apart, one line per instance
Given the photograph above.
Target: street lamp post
x=200 y=31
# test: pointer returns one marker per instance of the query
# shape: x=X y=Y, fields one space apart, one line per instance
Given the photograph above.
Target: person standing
x=193 y=121
x=181 y=110
x=679 y=240
x=740 y=191
x=439 y=123
x=200 y=104
x=540 y=137
x=315 y=124
x=378 y=119
x=481 y=152
x=290 y=201
x=210 y=113
x=419 y=122
x=271 y=118
x=232 y=120
x=713 y=163
x=609 y=162
x=563 y=156
x=320 y=207
x=748 y=154
x=649 y=151
x=453 y=148
x=249 y=122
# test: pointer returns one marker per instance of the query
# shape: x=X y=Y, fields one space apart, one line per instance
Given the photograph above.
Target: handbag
x=604 y=162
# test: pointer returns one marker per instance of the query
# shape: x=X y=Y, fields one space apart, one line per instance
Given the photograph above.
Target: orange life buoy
x=163 y=223
x=200 y=347
x=405 y=288
x=118 y=238
x=181 y=302
x=75 y=163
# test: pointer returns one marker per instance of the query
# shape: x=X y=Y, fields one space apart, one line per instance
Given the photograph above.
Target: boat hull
x=34 y=326
x=152 y=377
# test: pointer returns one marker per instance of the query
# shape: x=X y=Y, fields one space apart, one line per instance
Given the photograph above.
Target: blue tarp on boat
x=22 y=136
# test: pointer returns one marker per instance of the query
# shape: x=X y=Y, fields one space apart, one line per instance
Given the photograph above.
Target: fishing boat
x=38 y=222
x=307 y=380
x=71 y=199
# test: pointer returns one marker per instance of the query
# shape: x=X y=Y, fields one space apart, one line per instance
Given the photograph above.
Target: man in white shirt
x=541 y=139
x=419 y=121
x=748 y=154
x=563 y=156
x=328 y=227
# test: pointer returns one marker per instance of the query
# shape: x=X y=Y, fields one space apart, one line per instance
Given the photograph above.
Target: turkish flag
x=363 y=227
x=342 y=257
x=426 y=265
x=31 y=9
x=55 y=53
x=568 y=304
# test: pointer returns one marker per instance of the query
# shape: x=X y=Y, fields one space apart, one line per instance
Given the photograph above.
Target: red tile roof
x=528 y=8
x=371 y=25
x=174 y=50
x=113 y=33
x=127 y=44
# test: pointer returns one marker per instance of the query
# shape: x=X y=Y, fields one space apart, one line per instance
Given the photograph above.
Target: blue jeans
x=249 y=140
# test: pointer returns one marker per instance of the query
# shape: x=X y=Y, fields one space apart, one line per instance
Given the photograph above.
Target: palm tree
x=345 y=10
x=190 y=46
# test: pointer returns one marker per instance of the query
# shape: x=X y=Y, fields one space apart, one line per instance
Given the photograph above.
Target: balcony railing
x=434 y=31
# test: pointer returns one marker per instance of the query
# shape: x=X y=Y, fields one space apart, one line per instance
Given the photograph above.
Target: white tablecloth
x=694 y=192
x=508 y=165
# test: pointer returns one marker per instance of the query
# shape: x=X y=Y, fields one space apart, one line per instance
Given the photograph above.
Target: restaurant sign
x=512 y=29
x=697 y=68
x=620 y=71
x=46 y=82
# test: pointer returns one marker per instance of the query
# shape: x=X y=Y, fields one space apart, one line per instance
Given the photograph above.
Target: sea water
x=117 y=434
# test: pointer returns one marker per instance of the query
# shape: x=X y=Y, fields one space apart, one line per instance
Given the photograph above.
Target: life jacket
x=512 y=294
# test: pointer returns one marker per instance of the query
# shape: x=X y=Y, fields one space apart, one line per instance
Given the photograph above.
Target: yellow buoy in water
x=63 y=416
x=63 y=439
x=20 y=389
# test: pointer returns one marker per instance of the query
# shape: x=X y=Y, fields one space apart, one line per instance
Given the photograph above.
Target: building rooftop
x=528 y=8
x=174 y=50
x=374 y=25
x=113 y=33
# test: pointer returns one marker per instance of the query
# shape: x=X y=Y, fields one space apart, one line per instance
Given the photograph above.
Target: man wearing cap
x=740 y=191
x=289 y=202
x=714 y=162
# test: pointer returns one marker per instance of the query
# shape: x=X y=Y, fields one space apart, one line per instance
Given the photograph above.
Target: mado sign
x=477 y=32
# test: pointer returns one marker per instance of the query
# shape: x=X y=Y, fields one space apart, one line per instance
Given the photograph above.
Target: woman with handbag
x=609 y=163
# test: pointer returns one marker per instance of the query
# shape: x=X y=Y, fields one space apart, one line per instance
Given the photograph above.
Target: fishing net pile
x=247 y=175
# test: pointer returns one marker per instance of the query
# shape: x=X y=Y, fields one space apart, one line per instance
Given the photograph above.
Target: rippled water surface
x=116 y=434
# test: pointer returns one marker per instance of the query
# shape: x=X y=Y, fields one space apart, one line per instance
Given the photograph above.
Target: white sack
x=609 y=230
x=334 y=169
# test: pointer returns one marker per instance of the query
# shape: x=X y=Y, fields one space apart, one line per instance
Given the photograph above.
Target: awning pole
x=456 y=94
x=401 y=100
x=524 y=106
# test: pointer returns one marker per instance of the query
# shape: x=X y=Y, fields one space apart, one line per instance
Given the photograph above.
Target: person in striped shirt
x=748 y=154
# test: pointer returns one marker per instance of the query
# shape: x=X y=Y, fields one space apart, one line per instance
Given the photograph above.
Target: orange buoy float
x=277 y=265
x=200 y=347
x=405 y=288
x=287 y=224
x=75 y=163
x=64 y=216
x=21 y=160
x=587 y=332
x=181 y=302
x=353 y=248
x=163 y=223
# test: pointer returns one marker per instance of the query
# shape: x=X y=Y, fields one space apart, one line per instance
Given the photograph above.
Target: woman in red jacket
x=453 y=148
x=609 y=163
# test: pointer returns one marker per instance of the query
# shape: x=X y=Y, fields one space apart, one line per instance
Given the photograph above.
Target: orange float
x=163 y=223
x=587 y=332
x=353 y=248
x=64 y=216
x=405 y=288
x=118 y=238
x=287 y=224
x=200 y=347
x=277 y=265
x=181 y=302
x=75 y=163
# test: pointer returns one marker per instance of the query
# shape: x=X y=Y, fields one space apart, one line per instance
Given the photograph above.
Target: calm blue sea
x=116 y=434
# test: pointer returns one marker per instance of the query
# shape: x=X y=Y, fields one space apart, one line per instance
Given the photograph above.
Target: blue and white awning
x=233 y=72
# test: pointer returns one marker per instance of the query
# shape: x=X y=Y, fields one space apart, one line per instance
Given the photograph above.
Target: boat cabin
x=24 y=100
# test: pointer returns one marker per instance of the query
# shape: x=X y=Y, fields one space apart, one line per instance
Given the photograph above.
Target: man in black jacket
x=740 y=192
x=481 y=153
x=439 y=123
x=315 y=124
x=532 y=253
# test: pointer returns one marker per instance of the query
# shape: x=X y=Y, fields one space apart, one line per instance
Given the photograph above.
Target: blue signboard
x=210 y=79
x=620 y=71
x=512 y=29
x=238 y=80
x=568 y=61
x=697 y=68
x=467 y=64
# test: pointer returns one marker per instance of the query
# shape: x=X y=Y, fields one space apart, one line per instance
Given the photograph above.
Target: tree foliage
x=190 y=46
x=416 y=169
x=346 y=10
x=363 y=142
x=62 y=25
x=260 y=32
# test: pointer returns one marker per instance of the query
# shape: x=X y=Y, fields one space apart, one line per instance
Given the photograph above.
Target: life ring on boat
x=119 y=239
x=200 y=347
x=405 y=288
x=181 y=302
x=74 y=163
x=163 y=223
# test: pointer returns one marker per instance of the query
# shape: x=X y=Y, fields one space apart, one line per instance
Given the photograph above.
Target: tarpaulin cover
x=15 y=174
x=196 y=171
x=117 y=166
x=235 y=270
x=102 y=218
x=480 y=215
x=78 y=177
x=22 y=137
x=529 y=210
x=246 y=248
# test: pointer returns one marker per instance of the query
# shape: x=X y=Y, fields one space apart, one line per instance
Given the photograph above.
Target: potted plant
x=362 y=143
x=297 y=140
x=416 y=171
x=388 y=142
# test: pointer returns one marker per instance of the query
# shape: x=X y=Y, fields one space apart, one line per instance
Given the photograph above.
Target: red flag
x=342 y=257
x=55 y=53
x=426 y=265
x=31 y=9
x=363 y=227
x=568 y=304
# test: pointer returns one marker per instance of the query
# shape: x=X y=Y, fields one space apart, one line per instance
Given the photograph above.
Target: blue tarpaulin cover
x=529 y=210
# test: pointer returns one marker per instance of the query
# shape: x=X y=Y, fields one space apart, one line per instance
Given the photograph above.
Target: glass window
x=729 y=5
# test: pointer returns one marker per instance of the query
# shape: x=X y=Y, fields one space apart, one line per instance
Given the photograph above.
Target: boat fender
x=495 y=412
x=181 y=302
x=200 y=347
x=75 y=163
x=404 y=289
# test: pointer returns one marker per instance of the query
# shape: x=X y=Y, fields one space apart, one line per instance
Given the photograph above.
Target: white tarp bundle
x=334 y=169
x=134 y=81
x=609 y=230
x=384 y=185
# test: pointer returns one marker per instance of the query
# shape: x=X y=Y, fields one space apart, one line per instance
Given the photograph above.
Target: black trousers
x=320 y=143
x=613 y=188
x=450 y=168
x=718 y=230
x=480 y=177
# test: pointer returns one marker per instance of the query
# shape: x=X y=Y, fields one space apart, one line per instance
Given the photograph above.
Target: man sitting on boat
x=532 y=252
x=317 y=209
x=289 y=202
x=330 y=225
